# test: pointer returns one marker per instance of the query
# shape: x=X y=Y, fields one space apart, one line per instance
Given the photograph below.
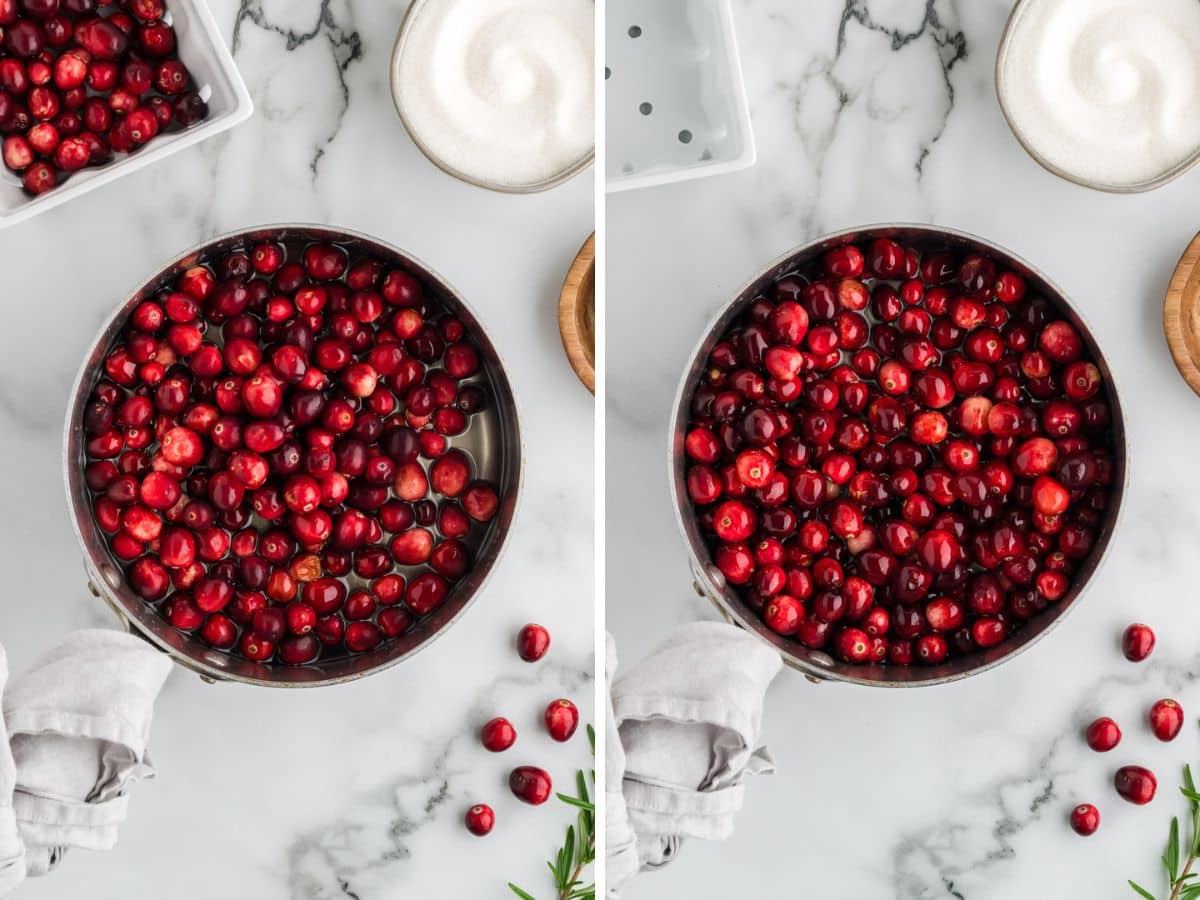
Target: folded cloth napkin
x=12 y=852
x=689 y=717
x=621 y=862
x=79 y=721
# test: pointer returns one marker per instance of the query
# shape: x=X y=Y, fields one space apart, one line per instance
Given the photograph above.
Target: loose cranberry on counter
x=259 y=435
x=1166 y=720
x=924 y=440
x=480 y=819
x=1085 y=819
x=498 y=734
x=562 y=718
x=530 y=784
x=1138 y=642
x=1136 y=784
x=533 y=641
x=1103 y=734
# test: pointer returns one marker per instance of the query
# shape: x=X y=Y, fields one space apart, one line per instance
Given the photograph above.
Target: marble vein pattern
x=871 y=111
x=356 y=791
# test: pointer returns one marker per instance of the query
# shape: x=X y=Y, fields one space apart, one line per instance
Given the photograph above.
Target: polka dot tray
x=676 y=103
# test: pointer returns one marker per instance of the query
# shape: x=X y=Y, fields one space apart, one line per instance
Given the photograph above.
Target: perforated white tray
x=203 y=51
x=676 y=102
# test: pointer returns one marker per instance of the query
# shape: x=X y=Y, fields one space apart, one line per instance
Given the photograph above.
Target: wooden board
x=1181 y=315
x=577 y=314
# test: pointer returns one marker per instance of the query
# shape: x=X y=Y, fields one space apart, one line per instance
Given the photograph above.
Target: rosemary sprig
x=579 y=849
x=1183 y=882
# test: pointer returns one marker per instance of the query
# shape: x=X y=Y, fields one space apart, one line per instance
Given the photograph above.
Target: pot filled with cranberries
x=898 y=456
x=292 y=457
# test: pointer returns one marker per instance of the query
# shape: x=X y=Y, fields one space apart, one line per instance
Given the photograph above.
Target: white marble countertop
x=885 y=111
x=355 y=791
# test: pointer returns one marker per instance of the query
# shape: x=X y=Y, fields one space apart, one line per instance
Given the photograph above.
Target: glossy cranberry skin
x=1166 y=719
x=1135 y=784
x=1085 y=819
x=530 y=785
x=480 y=819
x=498 y=734
x=784 y=614
x=1137 y=643
x=562 y=718
x=1103 y=735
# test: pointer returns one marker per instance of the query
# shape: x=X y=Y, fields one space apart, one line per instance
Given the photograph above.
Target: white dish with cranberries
x=94 y=89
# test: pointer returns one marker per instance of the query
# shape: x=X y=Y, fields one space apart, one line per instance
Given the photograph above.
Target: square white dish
x=675 y=99
x=219 y=82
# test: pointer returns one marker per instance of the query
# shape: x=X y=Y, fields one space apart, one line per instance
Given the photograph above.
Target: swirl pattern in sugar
x=501 y=90
x=1107 y=91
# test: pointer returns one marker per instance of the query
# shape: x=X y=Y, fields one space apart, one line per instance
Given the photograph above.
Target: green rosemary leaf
x=1141 y=890
x=575 y=801
x=591 y=733
x=1189 y=784
x=568 y=857
x=587 y=844
x=1171 y=856
x=578 y=849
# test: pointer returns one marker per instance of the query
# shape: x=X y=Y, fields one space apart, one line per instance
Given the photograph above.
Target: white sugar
x=1107 y=91
x=501 y=90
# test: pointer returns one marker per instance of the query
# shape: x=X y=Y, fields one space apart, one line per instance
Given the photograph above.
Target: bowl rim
x=73 y=472
x=571 y=302
x=1139 y=187
x=709 y=582
x=536 y=187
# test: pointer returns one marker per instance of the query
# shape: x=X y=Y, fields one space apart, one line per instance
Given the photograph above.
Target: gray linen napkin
x=689 y=717
x=621 y=862
x=79 y=721
x=12 y=852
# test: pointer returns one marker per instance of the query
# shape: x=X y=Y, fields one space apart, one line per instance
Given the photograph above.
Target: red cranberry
x=480 y=819
x=219 y=631
x=1138 y=642
x=1085 y=819
x=299 y=649
x=854 y=645
x=362 y=636
x=530 y=784
x=1166 y=719
x=562 y=718
x=24 y=39
x=426 y=592
x=1103 y=735
x=498 y=735
x=533 y=641
x=1136 y=784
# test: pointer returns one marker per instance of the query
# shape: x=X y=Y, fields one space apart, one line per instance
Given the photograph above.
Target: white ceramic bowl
x=203 y=51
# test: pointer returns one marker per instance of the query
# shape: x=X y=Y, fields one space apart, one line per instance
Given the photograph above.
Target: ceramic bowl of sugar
x=1104 y=94
x=499 y=94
